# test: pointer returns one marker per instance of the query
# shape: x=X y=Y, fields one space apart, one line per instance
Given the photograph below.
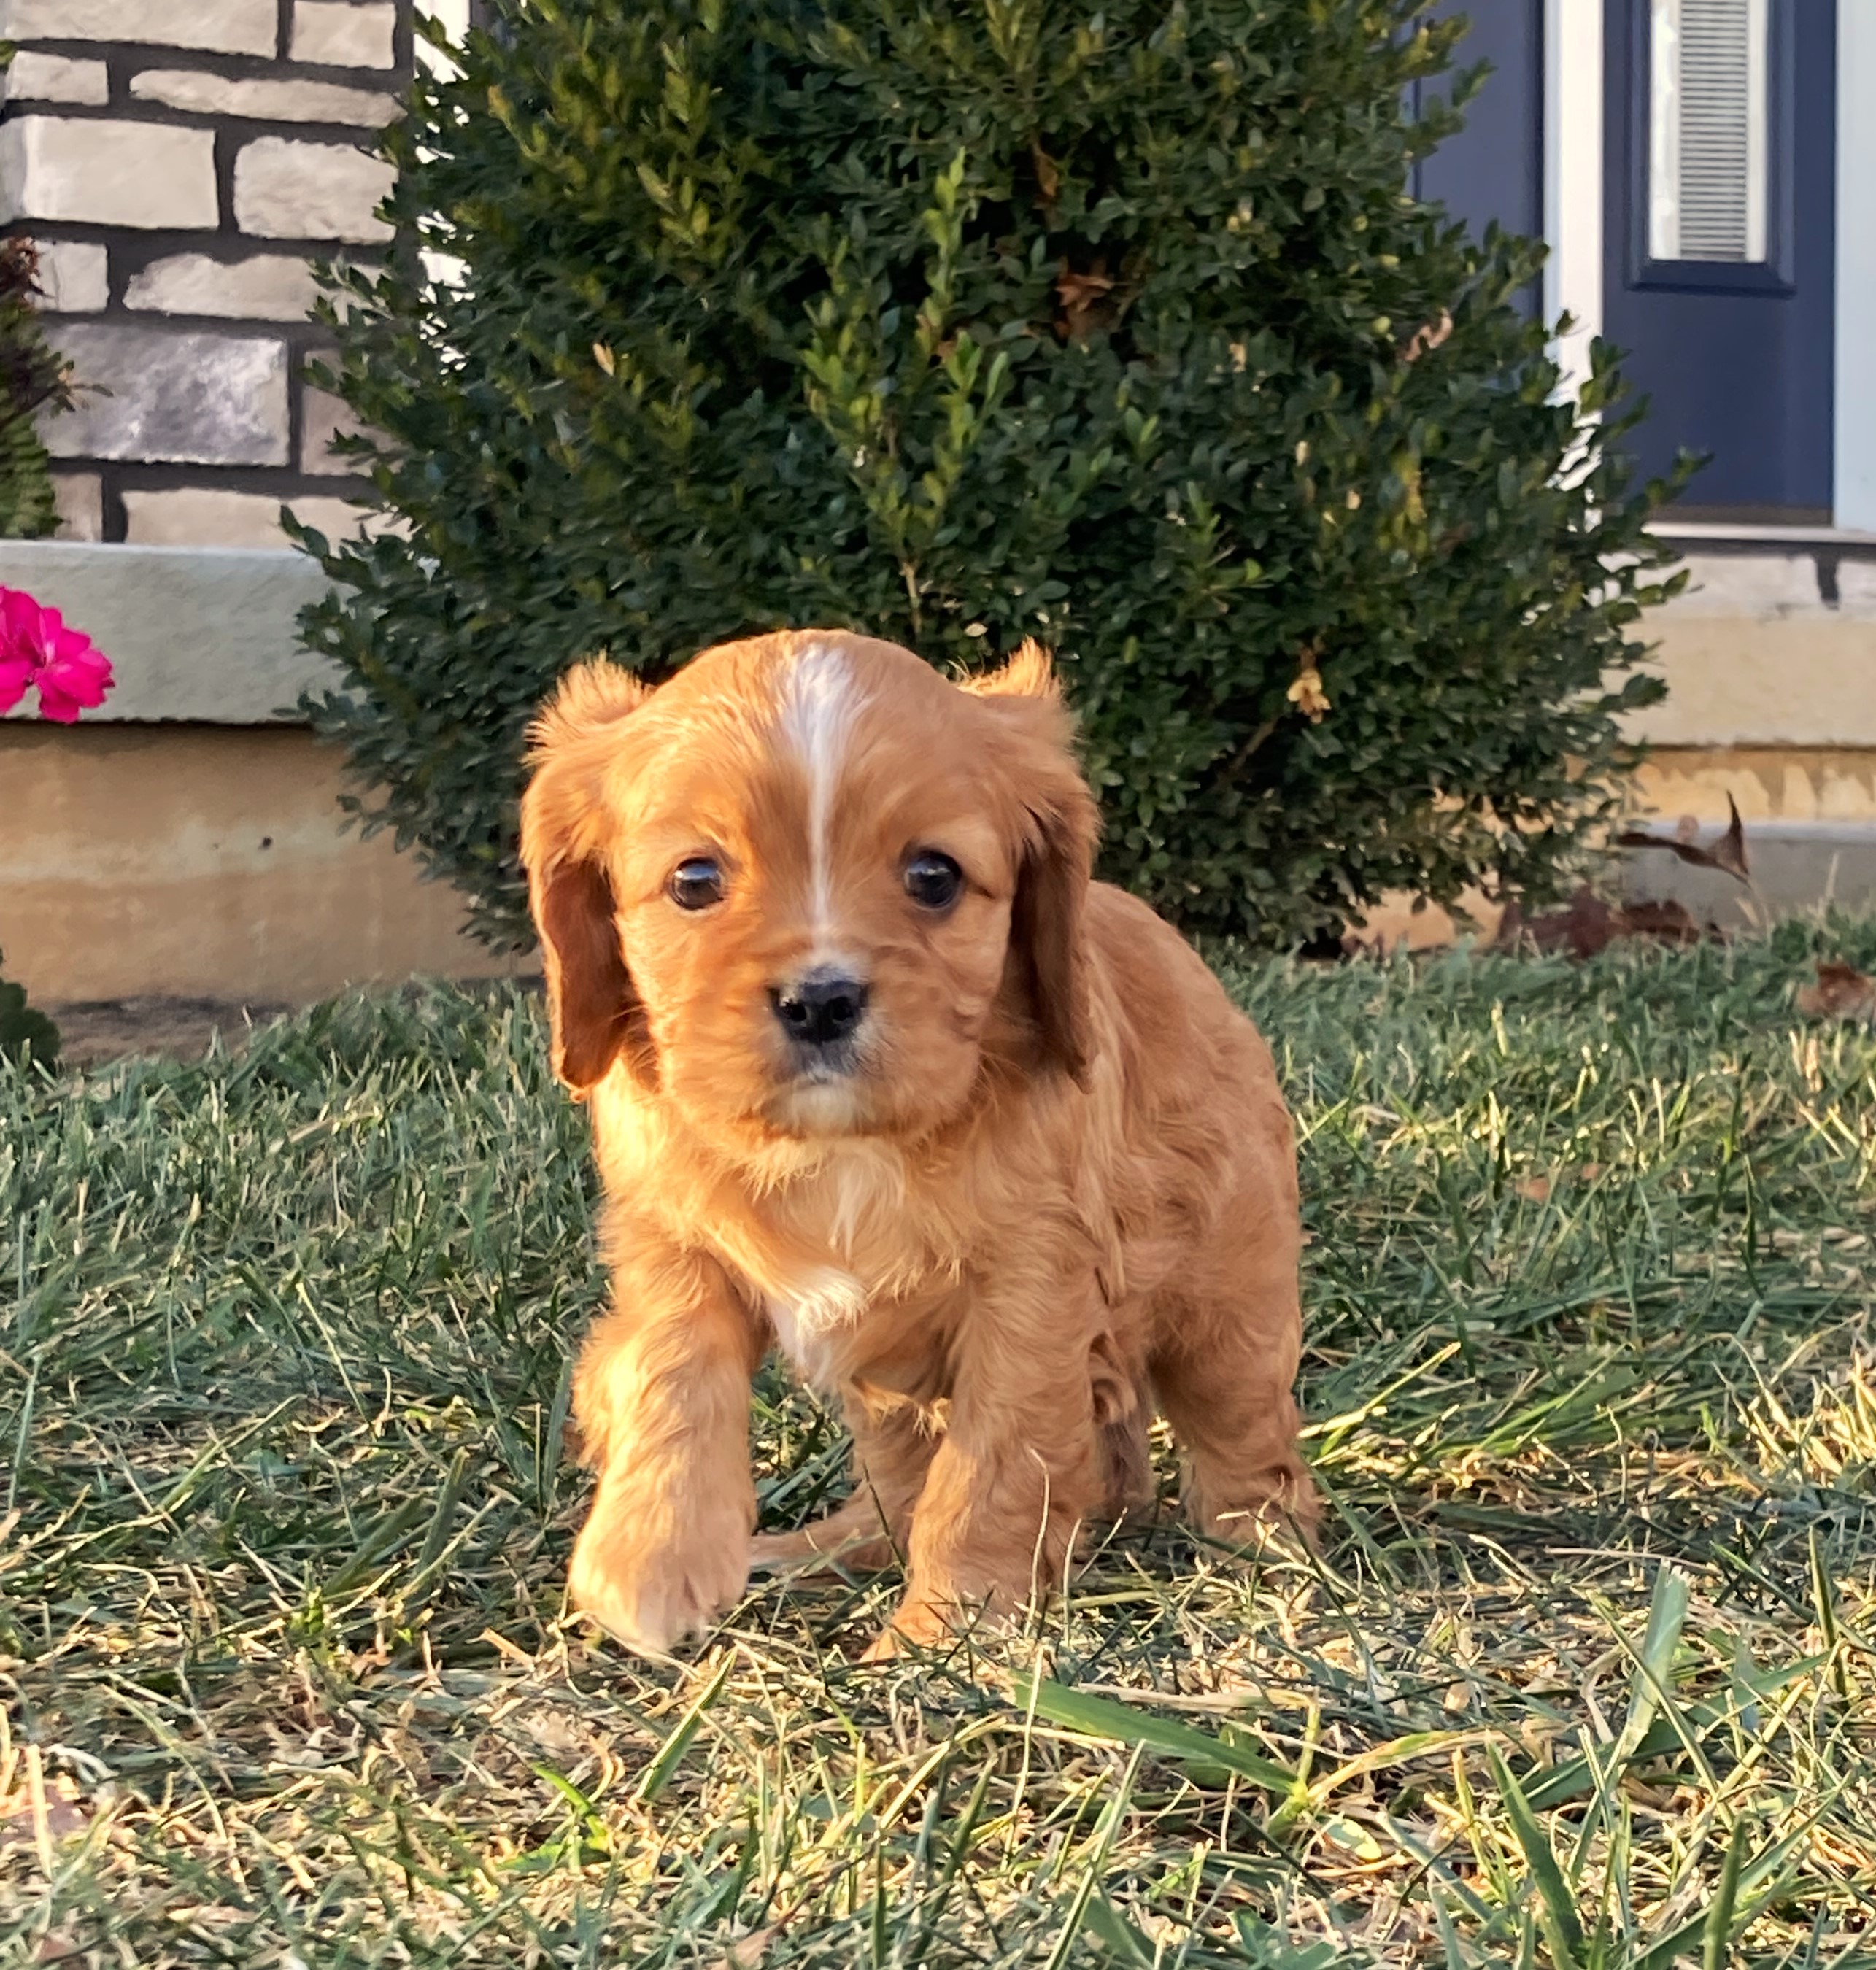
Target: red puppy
x=878 y=1074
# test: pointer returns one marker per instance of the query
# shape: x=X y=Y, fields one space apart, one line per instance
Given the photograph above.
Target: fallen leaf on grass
x=749 y=1950
x=1533 y=1189
x=1841 y=992
x=49 y=1807
x=1588 y=926
x=1728 y=854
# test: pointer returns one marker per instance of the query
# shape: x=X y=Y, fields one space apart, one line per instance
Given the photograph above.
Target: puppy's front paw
x=651 y=1592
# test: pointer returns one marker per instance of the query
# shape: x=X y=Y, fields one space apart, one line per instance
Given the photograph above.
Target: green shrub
x=31 y=375
x=960 y=320
x=25 y=1033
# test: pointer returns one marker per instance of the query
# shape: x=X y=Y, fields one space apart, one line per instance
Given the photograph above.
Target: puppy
x=878 y=1075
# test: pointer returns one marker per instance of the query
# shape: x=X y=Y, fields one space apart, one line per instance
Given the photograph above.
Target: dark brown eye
x=933 y=881
x=695 y=883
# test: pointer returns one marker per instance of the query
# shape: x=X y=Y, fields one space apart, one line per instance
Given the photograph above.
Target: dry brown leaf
x=1533 y=1189
x=41 y=1806
x=1587 y=925
x=1084 y=307
x=1307 y=694
x=1047 y=172
x=1841 y=992
x=750 y=1949
x=1728 y=854
x=1428 y=335
x=1666 y=923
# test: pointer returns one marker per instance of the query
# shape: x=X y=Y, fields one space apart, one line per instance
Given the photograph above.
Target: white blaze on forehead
x=818 y=699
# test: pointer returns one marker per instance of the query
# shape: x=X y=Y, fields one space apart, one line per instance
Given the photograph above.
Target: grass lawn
x=1584 y=1675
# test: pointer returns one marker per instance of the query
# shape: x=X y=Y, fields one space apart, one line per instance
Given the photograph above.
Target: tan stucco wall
x=1820 y=783
x=201 y=861
x=1755 y=654
x=1737 y=681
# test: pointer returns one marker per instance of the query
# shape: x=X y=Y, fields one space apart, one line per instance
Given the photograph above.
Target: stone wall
x=181 y=163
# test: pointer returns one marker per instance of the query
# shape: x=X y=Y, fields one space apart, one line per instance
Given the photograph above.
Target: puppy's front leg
x=661 y=1397
x=1017 y=1471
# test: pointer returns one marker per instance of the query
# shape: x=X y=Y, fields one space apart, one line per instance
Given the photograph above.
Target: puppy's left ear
x=1060 y=826
x=591 y=1001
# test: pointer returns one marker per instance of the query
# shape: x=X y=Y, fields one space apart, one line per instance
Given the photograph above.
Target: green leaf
x=670 y=1754
x=1556 y=1906
x=1098 y=1717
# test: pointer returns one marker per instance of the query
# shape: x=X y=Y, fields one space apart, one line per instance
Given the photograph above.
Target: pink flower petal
x=19 y=625
x=38 y=648
x=15 y=674
x=54 y=705
x=82 y=678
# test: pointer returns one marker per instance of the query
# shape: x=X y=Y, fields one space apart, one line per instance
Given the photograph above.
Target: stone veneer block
x=226 y=27
x=74 y=276
x=175 y=396
x=192 y=634
x=323 y=418
x=213 y=516
x=338 y=520
x=98 y=172
x=1750 y=587
x=338 y=34
x=36 y=77
x=1856 y=589
x=266 y=101
x=287 y=188
x=80 y=497
x=264 y=287
x=202 y=516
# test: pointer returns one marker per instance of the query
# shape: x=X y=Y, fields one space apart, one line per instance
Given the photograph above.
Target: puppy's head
x=808 y=887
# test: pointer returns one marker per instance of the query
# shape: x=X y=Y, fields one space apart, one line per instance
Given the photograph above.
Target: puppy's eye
x=933 y=881
x=695 y=883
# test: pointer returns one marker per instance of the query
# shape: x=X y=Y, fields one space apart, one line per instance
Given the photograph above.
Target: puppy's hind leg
x=1224 y=1381
x=1122 y=1414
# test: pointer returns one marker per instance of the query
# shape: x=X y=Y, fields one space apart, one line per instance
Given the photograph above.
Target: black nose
x=823 y=1010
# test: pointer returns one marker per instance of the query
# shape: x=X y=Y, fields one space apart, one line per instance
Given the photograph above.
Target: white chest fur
x=807 y=1338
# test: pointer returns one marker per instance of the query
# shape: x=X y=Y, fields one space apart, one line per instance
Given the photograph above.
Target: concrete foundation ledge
x=203 y=862
x=1797 y=866
x=207 y=636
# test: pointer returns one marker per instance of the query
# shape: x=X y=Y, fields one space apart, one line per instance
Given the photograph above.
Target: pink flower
x=38 y=651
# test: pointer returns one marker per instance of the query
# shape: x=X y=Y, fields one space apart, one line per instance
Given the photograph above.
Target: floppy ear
x=591 y=1002
x=1060 y=826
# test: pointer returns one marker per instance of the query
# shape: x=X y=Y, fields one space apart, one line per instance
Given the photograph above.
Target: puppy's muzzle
x=821 y=1012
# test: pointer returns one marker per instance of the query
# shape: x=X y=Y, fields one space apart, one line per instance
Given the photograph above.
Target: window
x=1708 y=117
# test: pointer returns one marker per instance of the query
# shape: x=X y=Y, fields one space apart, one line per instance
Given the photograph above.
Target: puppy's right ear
x=591 y=1002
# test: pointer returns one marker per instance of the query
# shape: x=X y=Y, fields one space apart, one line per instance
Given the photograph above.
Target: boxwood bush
x=32 y=381
x=964 y=320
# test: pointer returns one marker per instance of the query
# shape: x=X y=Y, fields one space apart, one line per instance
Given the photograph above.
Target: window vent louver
x=1707 y=147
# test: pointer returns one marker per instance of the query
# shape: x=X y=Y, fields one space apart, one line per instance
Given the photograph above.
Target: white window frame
x=1573 y=178
x=1855 y=447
